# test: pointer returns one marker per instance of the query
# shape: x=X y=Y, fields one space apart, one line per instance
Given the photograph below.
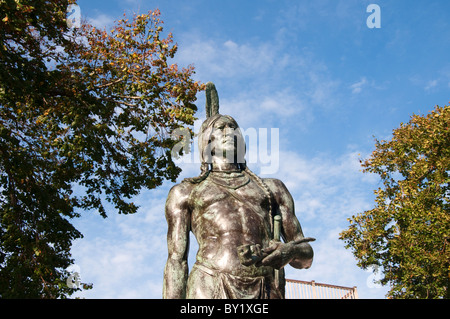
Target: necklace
x=233 y=180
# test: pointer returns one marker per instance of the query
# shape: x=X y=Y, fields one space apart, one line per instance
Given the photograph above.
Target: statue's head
x=220 y=136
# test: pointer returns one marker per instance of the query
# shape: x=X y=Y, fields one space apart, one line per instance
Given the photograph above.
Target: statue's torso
x=224 y=218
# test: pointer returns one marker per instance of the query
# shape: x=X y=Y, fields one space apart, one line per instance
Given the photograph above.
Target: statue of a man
x=231 y=212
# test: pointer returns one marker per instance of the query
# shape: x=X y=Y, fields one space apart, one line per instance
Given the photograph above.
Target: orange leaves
x=128 y=68
x=408 y=228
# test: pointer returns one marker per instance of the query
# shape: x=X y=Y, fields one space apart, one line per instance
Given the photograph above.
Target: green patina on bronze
x=245 y=226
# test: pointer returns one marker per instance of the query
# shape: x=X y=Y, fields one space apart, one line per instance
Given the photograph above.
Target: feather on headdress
x=212 y=100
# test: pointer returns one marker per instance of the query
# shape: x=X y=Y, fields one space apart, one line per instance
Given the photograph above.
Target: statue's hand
x=249 y=254
x=277 y=255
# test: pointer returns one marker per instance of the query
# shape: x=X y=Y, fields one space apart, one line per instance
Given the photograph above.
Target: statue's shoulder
x=179 y=196
x=182 y=189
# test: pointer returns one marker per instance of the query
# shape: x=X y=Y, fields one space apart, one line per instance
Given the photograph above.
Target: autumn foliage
x=82 y=109
x=407 y=233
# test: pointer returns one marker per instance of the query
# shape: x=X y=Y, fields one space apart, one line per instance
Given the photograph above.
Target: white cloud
x=252 y=83
x=101 y=21
x=332 y=264
x=124 y=256
x=357 y=87
x=430 y=85
x=228 y=59
x=260 y=108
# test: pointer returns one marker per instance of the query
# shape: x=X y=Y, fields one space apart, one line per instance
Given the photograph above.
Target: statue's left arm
x=297 y=255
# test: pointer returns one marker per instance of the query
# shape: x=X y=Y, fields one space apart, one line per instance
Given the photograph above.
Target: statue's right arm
x=178 y=220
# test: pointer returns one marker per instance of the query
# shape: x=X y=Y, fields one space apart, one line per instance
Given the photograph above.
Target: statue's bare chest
x=222 y=206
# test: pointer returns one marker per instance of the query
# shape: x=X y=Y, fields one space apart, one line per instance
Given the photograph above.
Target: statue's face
x=221 y=138
x=224 y=139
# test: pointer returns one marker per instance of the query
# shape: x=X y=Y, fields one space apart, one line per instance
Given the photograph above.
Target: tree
x=407 y=233
x=79 y=107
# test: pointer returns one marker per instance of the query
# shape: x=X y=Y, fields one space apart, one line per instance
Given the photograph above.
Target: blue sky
x=314 y=71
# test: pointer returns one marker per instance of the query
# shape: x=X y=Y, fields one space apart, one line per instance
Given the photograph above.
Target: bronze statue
x=234 y=216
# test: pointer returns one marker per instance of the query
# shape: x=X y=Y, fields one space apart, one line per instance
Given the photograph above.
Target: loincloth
x=229 y=286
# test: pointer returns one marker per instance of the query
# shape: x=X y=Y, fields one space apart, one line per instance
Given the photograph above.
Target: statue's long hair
x=204 y=144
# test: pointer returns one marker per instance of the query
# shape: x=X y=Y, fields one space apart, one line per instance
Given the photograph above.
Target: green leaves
x=82 y=107
x=123 y=104
x=408 y=230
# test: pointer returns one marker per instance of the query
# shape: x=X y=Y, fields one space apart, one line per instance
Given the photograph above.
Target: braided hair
x=260 y=182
